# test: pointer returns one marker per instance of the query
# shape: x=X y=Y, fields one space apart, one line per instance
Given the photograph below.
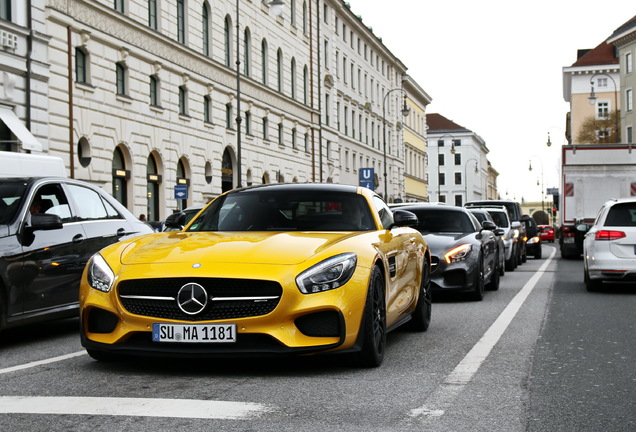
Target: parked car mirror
x=582 y=227
x=42 y=221
x=488 y=225
x=175 y=220
x=499 y=232
x=516 y=224
x=403 y=218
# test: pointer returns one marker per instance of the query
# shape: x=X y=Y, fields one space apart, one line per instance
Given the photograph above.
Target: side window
x=90 y=205
x=50 y=199
x=386 y=216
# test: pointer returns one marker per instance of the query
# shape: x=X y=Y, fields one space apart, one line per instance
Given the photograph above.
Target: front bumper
x=454 y=277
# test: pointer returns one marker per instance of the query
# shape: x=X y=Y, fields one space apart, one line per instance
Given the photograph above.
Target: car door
x=102 y=223
x=52 y=260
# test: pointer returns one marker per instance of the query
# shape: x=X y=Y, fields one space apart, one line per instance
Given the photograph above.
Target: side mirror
x=488 y=225
x=175 y=221
x=403 y=218
x=45 y=222
x=499 y=232
x=516 y=224
x=582 y=227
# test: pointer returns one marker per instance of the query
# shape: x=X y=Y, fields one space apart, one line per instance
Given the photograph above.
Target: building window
x=228 y=116
x=293 y=138
x=183 y=100
x=228 y=41
x=265 y=128
x=458 y=200
x=305 y=86
x=264 y=61
x=629 y=105
x=630 y=135
x=248 y=123
x=442 y=179
x=281 y=142
x=205 y=23
x=442 y=198
x=247 y=47
x=293 y=78
x=628 y=63
x=81 y=66
x=440 y=159
x=181 y=35
x=327 y=109
x=152 y=14
x=307 y=149
x=119 y=6
x=458 y=159
x=304 y=17
x=458 y=178
x=292 y=12
x=602 y=110
x=154 y=90
x=121 y=78
x=279 y=70
x=207 y=109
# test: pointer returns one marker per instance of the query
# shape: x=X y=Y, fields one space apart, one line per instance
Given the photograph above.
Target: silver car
x=609 y=247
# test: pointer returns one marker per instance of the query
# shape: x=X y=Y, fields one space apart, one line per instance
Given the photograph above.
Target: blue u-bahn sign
x=367 y=178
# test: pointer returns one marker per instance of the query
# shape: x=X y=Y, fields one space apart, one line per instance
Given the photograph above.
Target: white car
x=609 y=247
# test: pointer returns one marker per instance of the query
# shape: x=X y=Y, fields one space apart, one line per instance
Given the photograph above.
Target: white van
x=29 y=165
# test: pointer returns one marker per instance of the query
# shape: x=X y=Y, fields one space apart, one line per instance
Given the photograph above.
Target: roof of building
x=628 y=27
x=437 y=122
x=603 y=54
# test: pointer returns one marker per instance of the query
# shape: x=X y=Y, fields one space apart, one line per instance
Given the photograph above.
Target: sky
x=495 y=68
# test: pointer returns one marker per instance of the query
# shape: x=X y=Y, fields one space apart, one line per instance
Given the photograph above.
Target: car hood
x=225 y=247
x=441 y=242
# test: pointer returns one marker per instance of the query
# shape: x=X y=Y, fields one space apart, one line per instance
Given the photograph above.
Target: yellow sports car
x=263 y=270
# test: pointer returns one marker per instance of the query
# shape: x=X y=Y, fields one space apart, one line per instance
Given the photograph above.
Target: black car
x=483 y=216
x=533 y=241
x=463 y=251
x=49 y=228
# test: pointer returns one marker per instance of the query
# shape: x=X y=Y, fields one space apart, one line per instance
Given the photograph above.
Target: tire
x=493 y=285
x=421 y=317
x=478 y=284
x=524 y=256
x=373 y=323
x=511 y=263
x=539 y=254
x=592 y=285
x=502 y=266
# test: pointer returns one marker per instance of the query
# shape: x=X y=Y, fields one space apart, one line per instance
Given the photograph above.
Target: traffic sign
x=367 y=178
x=552 y=191
x=181 y=192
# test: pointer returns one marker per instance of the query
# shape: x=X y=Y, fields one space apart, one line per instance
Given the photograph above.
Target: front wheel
x=478 y=284
x=373 y=323
x=421 y=318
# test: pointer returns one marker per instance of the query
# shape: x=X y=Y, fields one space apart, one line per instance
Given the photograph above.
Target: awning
x=29 y=142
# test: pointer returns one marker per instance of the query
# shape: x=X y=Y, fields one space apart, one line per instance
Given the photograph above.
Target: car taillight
x=609 y=235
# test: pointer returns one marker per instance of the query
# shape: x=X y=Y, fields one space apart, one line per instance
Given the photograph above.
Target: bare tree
x=596 y=131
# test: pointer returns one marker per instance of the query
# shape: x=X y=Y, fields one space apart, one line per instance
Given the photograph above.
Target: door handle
x=121 y=232
x=79 y=238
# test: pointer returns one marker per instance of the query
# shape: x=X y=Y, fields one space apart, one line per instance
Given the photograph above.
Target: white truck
x=591 y=175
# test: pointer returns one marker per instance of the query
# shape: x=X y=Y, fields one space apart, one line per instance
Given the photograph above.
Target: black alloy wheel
x=374 y=323
x=495 y=280
x=421 y=317
x=478 y=284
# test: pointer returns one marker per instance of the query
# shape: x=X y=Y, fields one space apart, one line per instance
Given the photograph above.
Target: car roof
x=432 y=207
x=308 y=187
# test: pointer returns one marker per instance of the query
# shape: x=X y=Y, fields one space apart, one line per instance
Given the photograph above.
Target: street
x=539 y=354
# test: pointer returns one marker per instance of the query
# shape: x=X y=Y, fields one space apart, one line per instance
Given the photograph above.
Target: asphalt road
x=540 y=354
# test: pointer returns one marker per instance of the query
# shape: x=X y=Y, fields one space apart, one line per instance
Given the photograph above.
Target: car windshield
x=260 y=209
x=443 y=221
x=622 y=215
x=500 y=219
x=11 y=195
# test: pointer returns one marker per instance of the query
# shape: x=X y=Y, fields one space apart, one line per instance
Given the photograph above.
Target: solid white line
x=455 y=382
x=175 y=408
x=42 y=362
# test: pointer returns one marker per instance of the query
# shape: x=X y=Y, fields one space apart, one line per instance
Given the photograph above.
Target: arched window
x=293 y=78
x=154 y=179
x=182 y=179
x=247 y=46
x=120 y=177
x=206 y=29
x=264 y=61
x=279 y=70
x=228 y=41
x=304 y=17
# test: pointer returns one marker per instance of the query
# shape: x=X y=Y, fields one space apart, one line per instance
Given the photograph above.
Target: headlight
x=533 y=240
x=327 y=275
x=460 y=253
x=100 y=276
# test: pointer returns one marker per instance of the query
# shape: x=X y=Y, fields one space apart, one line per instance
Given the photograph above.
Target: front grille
x=157 y=297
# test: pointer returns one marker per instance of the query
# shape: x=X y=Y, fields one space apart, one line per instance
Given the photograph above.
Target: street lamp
x=452 y=151
x=405 y=112
x=592 y=98
x=466 y=173
x=276 y=6
x=542 y=191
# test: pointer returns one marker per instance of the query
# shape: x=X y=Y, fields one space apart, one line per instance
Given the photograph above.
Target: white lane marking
x=140 y=407
x=42 y=362
x=442 y=398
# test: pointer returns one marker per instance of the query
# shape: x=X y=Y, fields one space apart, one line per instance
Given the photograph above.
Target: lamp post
x=405 y=112
x=592 y=98
x=452 y=151
x=542 y=191
x=276 y=7
x=466 y=173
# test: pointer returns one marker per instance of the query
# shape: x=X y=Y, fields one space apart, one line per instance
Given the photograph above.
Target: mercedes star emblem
x=192 y=298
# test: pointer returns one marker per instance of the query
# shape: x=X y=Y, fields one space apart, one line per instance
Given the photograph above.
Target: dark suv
x=49 y=228
x=515 y=213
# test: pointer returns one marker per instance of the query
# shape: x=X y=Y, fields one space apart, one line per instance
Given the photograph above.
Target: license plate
x=568 y=239
x=193 y=333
